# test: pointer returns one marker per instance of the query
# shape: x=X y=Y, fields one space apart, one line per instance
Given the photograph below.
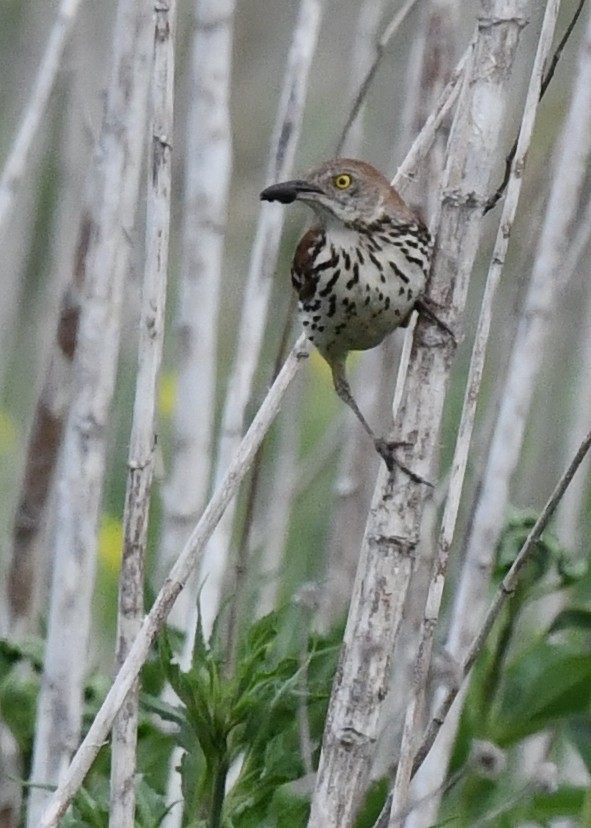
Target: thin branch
x=258 y=290
x=426 y=136
x=16 y=163
x=381 y=46
x=141 y=450
x=369 y=15
x=570 y=167
x=503 y=593
x=464 y=437
x=497 y=195
x=174 y=583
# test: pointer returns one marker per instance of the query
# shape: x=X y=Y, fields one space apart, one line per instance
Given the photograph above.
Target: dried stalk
x=81 y=475
x=141 y=450
x=43 y=448
x=208 y=170
x=257 y=292
x=173 y=585
x=393 y=529
x=353 y=507
x=431 y=60
x=412 y=722
x=571 y=162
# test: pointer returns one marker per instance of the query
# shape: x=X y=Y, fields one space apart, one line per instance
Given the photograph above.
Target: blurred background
x=39 y=247
x=313 y=438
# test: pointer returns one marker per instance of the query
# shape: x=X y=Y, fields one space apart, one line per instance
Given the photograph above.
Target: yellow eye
x=342 y=181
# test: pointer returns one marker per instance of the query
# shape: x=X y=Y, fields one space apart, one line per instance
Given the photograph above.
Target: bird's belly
x=342 y=316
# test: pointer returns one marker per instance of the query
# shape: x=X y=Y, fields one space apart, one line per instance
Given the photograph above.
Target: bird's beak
x=289 y=191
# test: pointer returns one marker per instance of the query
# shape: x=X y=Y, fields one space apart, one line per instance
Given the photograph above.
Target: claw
x=386 y=448
x=425 y=308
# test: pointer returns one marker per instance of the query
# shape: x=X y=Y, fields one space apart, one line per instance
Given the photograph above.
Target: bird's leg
x=385 y=448
x=424 y=307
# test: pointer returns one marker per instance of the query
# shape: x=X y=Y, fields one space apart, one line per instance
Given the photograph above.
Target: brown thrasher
x=359 y=270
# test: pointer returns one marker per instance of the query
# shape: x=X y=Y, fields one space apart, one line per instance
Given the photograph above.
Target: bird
x=358 y=271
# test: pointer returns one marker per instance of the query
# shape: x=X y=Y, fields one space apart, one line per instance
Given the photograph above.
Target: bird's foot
x=425 y=307
x=386 y=449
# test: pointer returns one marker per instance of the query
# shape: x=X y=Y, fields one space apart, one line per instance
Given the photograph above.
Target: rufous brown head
x=343 y=189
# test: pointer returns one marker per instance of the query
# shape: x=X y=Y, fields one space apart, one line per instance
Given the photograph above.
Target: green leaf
x=88 y=811
x=567 y=801
x=567 y=619
x=166 y=711
x=540 y=688
x=151 y=808
x=578 y=731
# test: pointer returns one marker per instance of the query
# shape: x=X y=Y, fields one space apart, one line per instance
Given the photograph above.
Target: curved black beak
x=288 y=191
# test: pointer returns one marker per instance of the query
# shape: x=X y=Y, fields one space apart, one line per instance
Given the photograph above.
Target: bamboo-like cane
x=142 y=438
x=79 y=484
x=208 y=168
x=458 y=470
x=258 y=290
x=571 y=163
x=393 y=528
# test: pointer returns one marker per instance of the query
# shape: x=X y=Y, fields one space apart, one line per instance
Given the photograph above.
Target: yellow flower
x=8 y=433
x=110 y=543
x=167 y=394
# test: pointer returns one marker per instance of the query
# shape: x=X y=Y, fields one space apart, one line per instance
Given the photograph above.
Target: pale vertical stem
x=357 y=466
x=173 y=585
x=28 y=565
x=16 y=163
x=412 y=721
x=42 y=452
x=393 y=528
x=141 y=449
x=431 y=62
x=257 y=291
x=208 y=169
x=26 y=159
x=79 y=485
x=570 y=165
x=570 y=513
x=352 y=499
x=208 y=166
x=11 y=789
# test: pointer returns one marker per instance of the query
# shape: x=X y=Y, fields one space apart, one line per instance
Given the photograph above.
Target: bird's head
x=342 y=189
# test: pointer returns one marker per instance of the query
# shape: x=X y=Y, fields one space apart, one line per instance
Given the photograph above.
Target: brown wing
x=303 y=276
